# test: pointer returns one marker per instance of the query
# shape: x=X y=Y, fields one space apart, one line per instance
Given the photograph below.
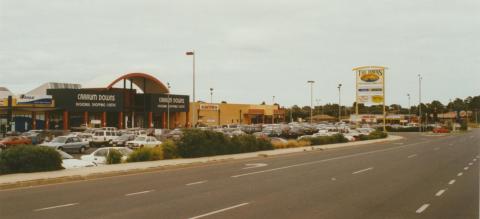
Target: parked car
x=13 y=141
x=68 y=162
x=441 y=130
x=144 y=141
x=103 y=137
x=67 y=143
x=99 y=156
x=121 y=141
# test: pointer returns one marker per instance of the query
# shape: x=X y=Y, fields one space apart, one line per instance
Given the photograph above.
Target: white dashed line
x=413 y=155
x=465 y=168
x=422 y=208
x=439 y=193
x=451 y=182
x=436 y=149
x=470 y=164
x=460 y=174
x=58 y=206
x=474 y=159
x=139 y=193
x=361 y=171
x=218 y=211
x=196 y=183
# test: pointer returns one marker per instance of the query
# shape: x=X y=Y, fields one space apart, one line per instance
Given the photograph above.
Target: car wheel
x=82 y=150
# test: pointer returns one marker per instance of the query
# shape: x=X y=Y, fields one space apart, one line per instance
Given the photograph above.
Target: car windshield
x=140 y=138
x=59 y=140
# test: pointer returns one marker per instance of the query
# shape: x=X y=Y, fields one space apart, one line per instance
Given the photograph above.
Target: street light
x=211 y=95
x=409 y=108
x=339 y=102
x=168 y=106
x=311 y=100
x=192 y=53
x=318 y=104
x=419 y=103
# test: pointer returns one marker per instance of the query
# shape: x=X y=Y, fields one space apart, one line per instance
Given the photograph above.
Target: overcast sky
x=248 y=50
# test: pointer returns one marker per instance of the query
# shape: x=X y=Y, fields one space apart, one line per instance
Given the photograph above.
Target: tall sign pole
x=194 y=110
x=384 y=111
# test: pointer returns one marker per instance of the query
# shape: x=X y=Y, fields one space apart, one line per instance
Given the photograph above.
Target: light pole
x=339 y=102
x=419 y=103
x=318 y=104
x=409 y=108
x=211 y=95
x=192 y=53
x=273 y=113
x=311 y=100
x=168 y=106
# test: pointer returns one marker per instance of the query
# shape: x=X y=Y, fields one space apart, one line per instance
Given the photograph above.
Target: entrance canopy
x=147 y=83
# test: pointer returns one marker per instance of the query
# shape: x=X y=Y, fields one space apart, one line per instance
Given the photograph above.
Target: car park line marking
x=326 y=160
x=460 y=174
x=439 y=193
x=58 y=206
x=139 y=193
x=465 y=168
x=422 y=208
x=196 y=183
x=413 y=155
x=219 y=211
x=451 y=182
x=254 y=165
x=361 y=171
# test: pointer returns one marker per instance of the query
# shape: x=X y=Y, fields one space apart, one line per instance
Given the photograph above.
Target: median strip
x=58 y=206
x=219 y=211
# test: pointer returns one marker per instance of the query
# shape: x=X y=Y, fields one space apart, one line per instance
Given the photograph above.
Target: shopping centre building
x=132 y=100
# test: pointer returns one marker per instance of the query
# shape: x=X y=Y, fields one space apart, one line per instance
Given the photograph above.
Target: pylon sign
x=370 y=85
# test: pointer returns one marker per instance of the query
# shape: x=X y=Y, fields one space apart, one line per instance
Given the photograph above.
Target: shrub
x=146 y=154
x=373 y=135
x=321 y=140
x=114 y=157
x=170 y=150
x=291 y=144
x=28 y=158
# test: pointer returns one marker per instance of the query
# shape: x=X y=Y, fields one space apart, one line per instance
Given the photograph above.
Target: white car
x=68 y=162
x=104 y=137
x=99 y=156
x=144 y=141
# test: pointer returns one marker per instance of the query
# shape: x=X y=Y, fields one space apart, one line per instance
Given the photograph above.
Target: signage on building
x=174 y=103
x=34 y=99
x=370 y=86
x=87 y=100
x=210 y=107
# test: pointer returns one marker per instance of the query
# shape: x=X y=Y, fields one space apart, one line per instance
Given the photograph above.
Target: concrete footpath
x=39 y=178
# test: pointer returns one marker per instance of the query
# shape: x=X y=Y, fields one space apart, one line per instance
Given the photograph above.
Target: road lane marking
x=58 y=206
x=254 y=165
x=474 y=159
x=333 y=178
x=399 y=143
x=436 y=149
x=460 y=174
x=326 y=160
x=422 y=208
x=361 y=171
x=219 y=211
x=439 y=193
x=465 y=168
x=470 y=164
x=139 y=193
x=451 y=182
x=451 y=144
x=196 y=183
x=413 y=155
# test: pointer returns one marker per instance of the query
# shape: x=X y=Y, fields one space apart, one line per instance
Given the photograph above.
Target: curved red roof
x=147 y=83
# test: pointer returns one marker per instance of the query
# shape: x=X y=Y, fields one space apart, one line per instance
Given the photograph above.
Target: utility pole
x=339 y=102
x=192 y=53
x=419 y=103
x=168 y=106
x=211 y=95
x=409 y=108
x=311 y=100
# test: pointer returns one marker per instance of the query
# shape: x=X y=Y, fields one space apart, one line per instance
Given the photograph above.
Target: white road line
x=422 y=208
x=218 y=211
x=139 y=193
x=465 y=168
x=451 y=182
x=413 y=155
x=58 y=206
x=439 y=193
x=436 y=149
x=325 y=160
x=460 y=174
x=399 y=143
x=470 y=164
x=360 y=171
x=474 y=159
x=196 y=183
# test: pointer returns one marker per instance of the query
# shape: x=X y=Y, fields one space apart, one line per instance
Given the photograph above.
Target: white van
x=104 y=137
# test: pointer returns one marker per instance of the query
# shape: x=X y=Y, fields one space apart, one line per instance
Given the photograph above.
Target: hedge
x=29 y=158
x=146 y=154
x=321 y=140
x=200 y=143
x=404 y=129
x=170 y=150
x=373 y=135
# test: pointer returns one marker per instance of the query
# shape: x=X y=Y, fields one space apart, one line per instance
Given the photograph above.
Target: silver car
x=67 y=143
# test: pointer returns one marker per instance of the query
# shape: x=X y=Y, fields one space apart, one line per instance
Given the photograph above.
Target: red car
x=14 y=140
x=441 y=130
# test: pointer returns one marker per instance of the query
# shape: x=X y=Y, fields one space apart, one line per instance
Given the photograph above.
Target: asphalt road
x=418 y=177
